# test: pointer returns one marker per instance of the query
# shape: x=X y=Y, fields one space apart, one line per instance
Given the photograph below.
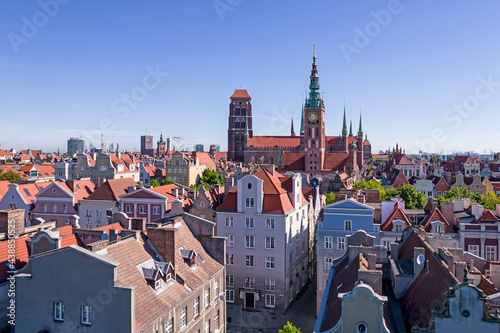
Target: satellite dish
x=420 y=259
x=104 y=236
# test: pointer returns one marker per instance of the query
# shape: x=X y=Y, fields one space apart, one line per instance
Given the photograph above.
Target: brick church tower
x=314 y=124
x=240 y=125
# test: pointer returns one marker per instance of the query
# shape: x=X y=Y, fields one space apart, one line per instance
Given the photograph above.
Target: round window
x=202 y=204
x=249 y=185
x=361 y=328
x=465 y=313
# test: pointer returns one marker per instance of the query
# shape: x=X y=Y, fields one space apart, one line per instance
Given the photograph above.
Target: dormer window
x=157 y=284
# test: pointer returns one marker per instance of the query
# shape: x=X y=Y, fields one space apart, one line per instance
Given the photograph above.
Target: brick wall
x=16 y=215
x=164 y=242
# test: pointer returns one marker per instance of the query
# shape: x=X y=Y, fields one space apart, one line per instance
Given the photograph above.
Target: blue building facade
x=340 y=219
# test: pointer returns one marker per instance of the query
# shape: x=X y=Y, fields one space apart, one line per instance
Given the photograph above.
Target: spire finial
x=360 y=131
x=314 y=49
x=344 y=126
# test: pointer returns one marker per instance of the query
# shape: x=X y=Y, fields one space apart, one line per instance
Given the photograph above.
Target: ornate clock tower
x=314 y=124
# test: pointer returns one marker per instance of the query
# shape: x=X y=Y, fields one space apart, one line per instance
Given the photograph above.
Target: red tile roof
x=3 y=188
x=335 y=161
x=203 y=157
x=396 y=214
x=106 y=228
x=428 y=289
x=293 y=161
x=112 y=189
x=148 y=305
x=488 y=216
x=436 y=215
x=274 y=141
x=240 y=93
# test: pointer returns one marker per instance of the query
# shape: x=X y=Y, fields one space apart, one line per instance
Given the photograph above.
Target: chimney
x=175 y=192
x=448 y=211
x=371 y=258
x=119 y=155
x=372 y=196
x=418 y=260
x=177 y=207
x=71 y=185
x=459 y=270
x=394 y=251
x=12 y=221
x=138 y=224
x=94 y=155
x=163 y=240
x=131 y=189
x=182 y=191
x=477 y=210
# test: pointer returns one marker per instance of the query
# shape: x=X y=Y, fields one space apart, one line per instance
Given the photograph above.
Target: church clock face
x=313 y=117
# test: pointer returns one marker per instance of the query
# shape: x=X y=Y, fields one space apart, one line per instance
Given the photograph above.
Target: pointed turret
x=350 y=128
x=314 y=99
x=302 y=121
x=360 y=130
x=344 y=126
x=292 y=130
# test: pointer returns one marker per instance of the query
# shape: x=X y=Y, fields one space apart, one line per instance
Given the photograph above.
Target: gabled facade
x=265 y=222
x=340 y=220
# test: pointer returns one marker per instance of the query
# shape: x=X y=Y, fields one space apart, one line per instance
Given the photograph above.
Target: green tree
x=10 y=175
x=372 y=184
x=9 y=160
x=413 y=199
x=496 y=156
x=490 y=200
x=212 y=177
x=289 y=328
x=330 y=198
x=167 y=181
x=154 y=183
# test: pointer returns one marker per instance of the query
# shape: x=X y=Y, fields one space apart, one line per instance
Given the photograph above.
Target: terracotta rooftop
x=436 y=215
x=112 y=189
x=396 y=214
x=274 y=141
x=240 y=93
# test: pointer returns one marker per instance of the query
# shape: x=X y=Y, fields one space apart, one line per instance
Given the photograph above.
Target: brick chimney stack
x=9 y=218
x=163 y=240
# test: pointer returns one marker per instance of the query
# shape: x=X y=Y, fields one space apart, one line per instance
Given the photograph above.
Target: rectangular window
x=229 y=259
x=229 y=221
x=174 y=170
x=398 y=227
x=249 y=242
x=54 y=208
x=270 y=262
x=85 y=314
x=230 y=240
x=65 y=209
x=229 y=280
x=249 y=261
x=169 y=171
x=216 y=320
x=348 y=225
x=328 y=263
x=297 y=252
x=59 y=311
x=249 y=282
x=156 y=210
x=328 y=242
x=207 y=297
x=184 y=179
x=142 y=209
x=249 y=202
x=216 y=289
x=230 y=296
x=183 y=318
x=270 y=285
x=88 y=212
x=340 y=243
x=128 y=208
x=491 y=253
x=169 y=327
x=270 y=224
x=207 y=326
x=290 y=258
x=474 y=249
x=249 y=222
x=270 y=243
x=196 y=307
x=270 y=300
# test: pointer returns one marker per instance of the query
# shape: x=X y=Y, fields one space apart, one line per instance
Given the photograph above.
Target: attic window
x=157 y=284
x=249 y=185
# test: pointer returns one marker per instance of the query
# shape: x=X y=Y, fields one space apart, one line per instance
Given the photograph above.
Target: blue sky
x=426 y=74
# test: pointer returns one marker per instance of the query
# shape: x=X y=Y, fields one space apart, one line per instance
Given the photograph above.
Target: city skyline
x=431 y=87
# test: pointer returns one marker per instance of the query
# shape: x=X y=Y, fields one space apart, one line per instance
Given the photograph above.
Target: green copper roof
x=360 y=131
x=350 y=128
x=344 y=126
x=279 y=156
x=302 y=120
x=314 y=99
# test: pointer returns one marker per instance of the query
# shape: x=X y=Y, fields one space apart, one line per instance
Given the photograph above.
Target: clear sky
x=426 y=73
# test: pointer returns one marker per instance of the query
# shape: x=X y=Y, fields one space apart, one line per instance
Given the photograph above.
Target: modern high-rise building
x=76 y=145
x=147 y=147
x=198 y=147
x=176 y=143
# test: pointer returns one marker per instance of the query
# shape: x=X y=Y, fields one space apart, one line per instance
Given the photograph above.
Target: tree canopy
x=289 y=328
x=413 y=199
x=154 y=183
x=372 y=184
x=167 y=181
x=212 y=177
x=487 y=199
x=330 y=198
x=11 y=176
